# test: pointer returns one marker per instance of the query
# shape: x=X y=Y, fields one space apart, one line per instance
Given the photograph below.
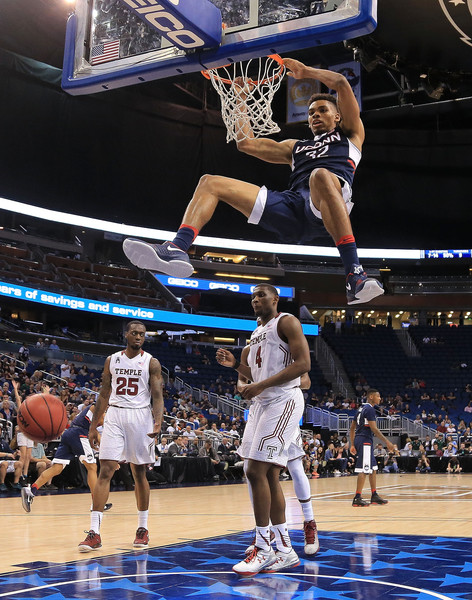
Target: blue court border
x=353 y=566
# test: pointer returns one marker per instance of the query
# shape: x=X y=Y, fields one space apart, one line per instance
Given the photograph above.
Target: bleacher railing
x=222 y=403
x=394 y=425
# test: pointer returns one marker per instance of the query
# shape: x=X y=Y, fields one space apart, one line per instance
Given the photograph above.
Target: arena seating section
x=376 y=354
x=78 y=277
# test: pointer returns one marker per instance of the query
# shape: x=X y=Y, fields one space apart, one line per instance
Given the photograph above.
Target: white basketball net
x=247 y=111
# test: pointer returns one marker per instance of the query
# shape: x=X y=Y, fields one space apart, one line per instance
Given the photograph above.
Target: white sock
x=143 y=518
x=263 y=538
x=282 y=539
x=95 y=521
x=307 y=509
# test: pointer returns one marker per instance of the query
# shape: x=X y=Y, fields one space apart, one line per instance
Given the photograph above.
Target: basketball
x=42 y=417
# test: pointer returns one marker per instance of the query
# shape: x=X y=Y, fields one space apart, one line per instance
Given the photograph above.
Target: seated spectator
x=65 y=369
x=449 y=450
x=189 y=432
x=39 y=462
x=162 y=447
x=218 y=465
x=177 y=447
x=53 y=345
x=453 y=465
x=391 y=464
x=192 y=449
x=423 y=465
x=23 y=353
x=40 y=343
x=224 y=451
x=6 y=412
x=10 y=463
x=380 y=454
x=334 y=460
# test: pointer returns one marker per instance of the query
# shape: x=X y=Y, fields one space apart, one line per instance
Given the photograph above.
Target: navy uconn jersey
x=332 y=150
x=83 y=420
x=365 y=413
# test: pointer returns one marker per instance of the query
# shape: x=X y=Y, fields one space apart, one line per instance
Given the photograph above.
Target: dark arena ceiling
x=417 y=98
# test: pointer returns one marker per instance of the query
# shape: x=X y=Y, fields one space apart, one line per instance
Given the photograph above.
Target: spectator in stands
x=380 y=454
x=423 y=465
x=10 y=463
x=6 y=412
x=427 y=443
x=192 y=449
x=453 y=465
x=218 y=465
x=335 y=463
x=39 y=462
x=189 y=432
x=176 y=448
x=65 y=369
x=23 y=353
x=468 y=408
x=449 y=450
x=40 y=343
x=224 y=451
x=162 y=447
x=53 y=345
x=189 y=345
x=391 y=464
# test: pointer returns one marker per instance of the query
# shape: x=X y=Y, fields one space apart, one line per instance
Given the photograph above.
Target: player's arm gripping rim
x=348 y=107
x=101 y=404
x=155 y=381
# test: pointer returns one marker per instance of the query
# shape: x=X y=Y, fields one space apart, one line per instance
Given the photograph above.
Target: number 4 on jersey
x=258 y=359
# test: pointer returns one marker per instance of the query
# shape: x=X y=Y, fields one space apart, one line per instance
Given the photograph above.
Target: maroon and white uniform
x=129 y=416
x=274 y=416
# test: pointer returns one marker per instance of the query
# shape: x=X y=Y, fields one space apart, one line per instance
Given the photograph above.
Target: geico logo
x=232 y=287
x=183 y=282
x=168 y=23
x=253 y=287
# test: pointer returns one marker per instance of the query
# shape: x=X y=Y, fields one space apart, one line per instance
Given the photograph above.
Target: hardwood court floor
x=424 y=505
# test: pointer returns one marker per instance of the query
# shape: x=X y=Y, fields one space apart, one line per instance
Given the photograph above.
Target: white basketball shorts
x=272 y=428
x=125 y=438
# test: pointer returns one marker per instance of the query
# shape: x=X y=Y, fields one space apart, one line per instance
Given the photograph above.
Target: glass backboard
x=107 y=46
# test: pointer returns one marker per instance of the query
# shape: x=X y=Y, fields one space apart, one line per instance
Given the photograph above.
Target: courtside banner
x=352 y=72
x=20 y=292
x=299 y=92
x=218 y=285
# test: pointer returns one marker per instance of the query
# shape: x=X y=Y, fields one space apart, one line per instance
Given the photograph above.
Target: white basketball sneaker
x=255 y=562
x=163 y=258
x=283 y=561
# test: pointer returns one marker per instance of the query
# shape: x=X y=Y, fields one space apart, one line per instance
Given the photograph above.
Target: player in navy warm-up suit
x=362 y=432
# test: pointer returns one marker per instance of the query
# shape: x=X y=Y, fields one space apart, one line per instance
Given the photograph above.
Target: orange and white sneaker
x=283 y=560
x=250 y=548
x=142 y=538
x=93 y=541
x=255 y=562
x=310 y=533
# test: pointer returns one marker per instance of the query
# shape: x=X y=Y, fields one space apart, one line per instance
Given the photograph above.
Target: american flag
x=104 y=52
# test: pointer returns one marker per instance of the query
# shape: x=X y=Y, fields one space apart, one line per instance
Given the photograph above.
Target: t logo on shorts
x=270 y=451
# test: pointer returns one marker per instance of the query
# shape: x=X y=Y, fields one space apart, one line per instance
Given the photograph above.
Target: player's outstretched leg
x=163 y=258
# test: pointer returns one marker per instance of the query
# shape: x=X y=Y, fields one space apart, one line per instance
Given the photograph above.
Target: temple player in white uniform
x=278 y=355
x=131 y=378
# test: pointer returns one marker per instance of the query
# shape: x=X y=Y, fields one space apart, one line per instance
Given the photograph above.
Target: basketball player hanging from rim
x=319 y=191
